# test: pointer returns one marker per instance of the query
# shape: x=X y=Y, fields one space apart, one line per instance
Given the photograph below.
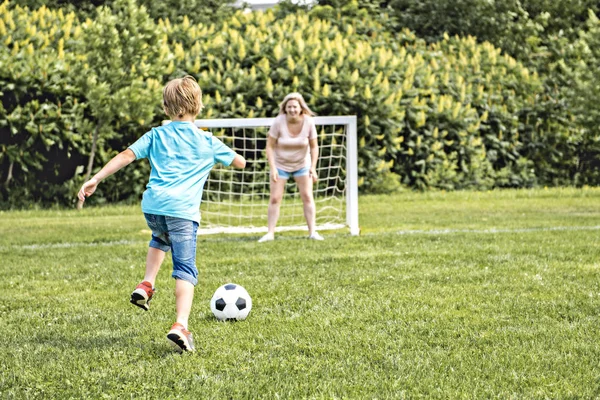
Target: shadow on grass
x=254 y=239
x=127 y=343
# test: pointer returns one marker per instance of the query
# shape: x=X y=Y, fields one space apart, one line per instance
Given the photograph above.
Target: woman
x=292 y=151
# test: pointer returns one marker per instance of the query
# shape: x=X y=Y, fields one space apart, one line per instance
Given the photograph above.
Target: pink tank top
x=292 y=151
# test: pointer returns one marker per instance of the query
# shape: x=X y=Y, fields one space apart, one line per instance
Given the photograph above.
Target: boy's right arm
x=119 y=161
x=238 y=161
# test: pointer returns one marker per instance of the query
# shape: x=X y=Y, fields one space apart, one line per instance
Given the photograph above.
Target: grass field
x=444 y=295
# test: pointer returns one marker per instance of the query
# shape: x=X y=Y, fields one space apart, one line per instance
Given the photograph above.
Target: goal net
x=236 y=200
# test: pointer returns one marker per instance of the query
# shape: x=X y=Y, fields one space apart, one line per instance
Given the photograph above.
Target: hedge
x=451 y=114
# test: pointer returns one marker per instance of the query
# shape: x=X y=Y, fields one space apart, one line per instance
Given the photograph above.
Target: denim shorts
x=179 y=236
x=286 y=175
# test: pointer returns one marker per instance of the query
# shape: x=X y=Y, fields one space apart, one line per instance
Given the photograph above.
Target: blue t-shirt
x=181 y=157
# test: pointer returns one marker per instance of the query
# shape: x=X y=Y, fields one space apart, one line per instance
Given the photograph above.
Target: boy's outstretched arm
x=119 y=161
x=239 y=161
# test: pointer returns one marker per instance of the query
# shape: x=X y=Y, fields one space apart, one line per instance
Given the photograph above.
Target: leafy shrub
x=451 y=114
x=196 y=11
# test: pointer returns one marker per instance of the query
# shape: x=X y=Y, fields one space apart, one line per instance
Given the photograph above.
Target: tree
x=123 y=59
x=197 y=11
x=581 y=68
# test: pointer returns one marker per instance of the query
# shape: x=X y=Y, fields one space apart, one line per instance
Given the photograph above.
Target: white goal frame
x=351 y=169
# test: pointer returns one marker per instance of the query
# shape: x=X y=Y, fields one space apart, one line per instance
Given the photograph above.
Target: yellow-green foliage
x=444 y=115
x=401 y=89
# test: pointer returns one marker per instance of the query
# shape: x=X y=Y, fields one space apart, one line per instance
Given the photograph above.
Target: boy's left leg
x=157 y=248
x=154 y=260
x=143 y=293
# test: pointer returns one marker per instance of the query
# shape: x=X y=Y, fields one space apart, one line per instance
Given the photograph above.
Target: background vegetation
x=453 y=105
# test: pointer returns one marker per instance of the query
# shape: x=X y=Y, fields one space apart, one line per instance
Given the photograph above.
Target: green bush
x=451 y=114
x=196 y=11
x=581 y=68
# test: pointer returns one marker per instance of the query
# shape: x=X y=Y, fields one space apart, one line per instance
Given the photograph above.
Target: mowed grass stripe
x=221 y=239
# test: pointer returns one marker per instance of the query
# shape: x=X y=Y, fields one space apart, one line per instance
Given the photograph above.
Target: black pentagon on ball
x=230 y=286
x=220 y=304
x=240 y=303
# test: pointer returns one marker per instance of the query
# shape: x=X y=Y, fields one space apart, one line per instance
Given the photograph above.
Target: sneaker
x=316 y=236
x=267 y=238
x=181 y=337
x=142 y=295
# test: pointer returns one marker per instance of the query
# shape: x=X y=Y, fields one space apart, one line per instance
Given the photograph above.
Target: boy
x=181 y=157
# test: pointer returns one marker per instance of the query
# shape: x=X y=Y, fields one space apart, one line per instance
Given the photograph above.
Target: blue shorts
x=286 y=175
x=179 y=236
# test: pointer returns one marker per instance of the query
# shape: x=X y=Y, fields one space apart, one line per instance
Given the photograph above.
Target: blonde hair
x=182 y=96
x=298 y=97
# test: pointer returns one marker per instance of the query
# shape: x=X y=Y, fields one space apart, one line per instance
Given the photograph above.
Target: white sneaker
x=267 y=238
x=316 y=236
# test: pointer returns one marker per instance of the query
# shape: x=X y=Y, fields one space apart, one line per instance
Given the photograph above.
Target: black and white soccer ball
x=231 y=302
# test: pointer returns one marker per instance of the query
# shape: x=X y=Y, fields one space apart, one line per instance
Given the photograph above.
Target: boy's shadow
x=125 y=342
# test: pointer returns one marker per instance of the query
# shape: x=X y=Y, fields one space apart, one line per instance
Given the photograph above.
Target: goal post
x=236 y=201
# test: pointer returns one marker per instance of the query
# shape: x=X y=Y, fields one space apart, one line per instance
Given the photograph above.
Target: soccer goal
x=236 y=201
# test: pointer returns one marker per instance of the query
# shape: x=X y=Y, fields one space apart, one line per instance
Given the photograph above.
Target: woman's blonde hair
x=182 y=96
x=298 y=97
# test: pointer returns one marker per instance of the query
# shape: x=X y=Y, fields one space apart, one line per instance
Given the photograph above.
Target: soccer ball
x=231 y=302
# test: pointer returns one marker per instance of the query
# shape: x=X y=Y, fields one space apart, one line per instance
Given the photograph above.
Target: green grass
x=444 y=295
